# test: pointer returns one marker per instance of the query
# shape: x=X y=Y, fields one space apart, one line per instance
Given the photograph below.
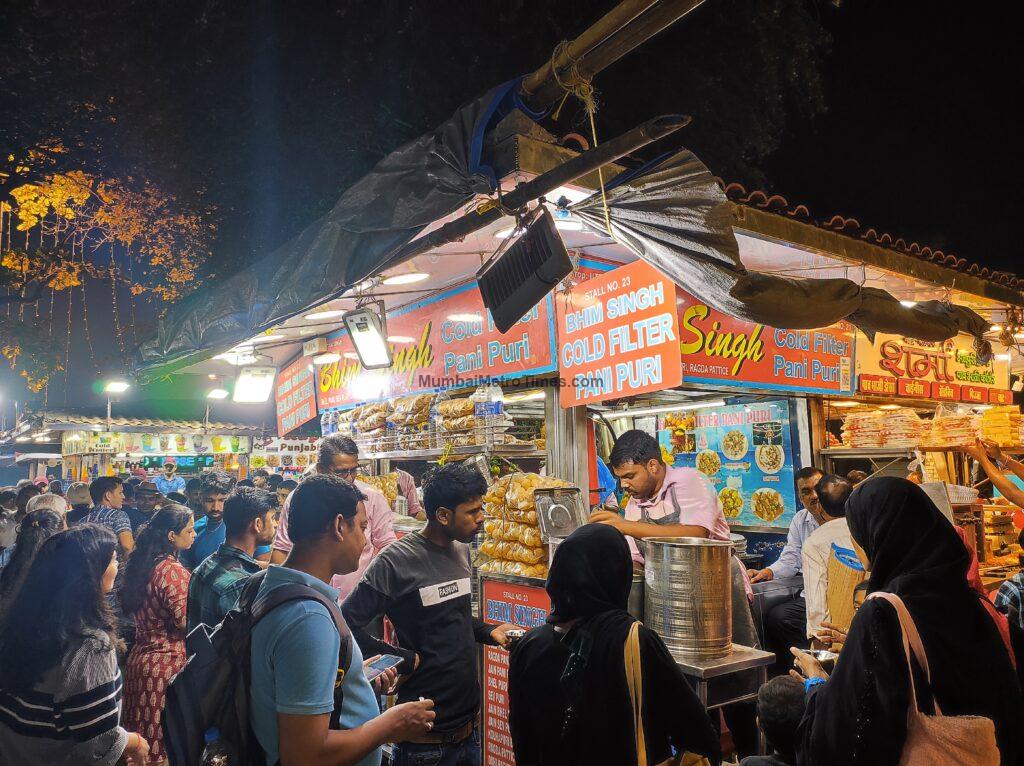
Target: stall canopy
x=671 y=214
x=674 y=215
x=423 y=181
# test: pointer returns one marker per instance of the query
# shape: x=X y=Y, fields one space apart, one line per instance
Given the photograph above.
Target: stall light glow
x=267 y=338
x=212 y=376
x=1004 y=357
x=116 y=386
x=908 y=304
x=845 y=404
x=889 y=407
x=23 y=439
x=658 y=410
x=75 y=438
x=995 y=328
x=366 y=329
x=568 y=225
x=42 y=438
x=217 y=393
x=400 y=339
x=238 y=356
x=331 y=314
x=409 y=278
x=465 y=317
x=254 y=384
x=573 y=195
x=532 y=396
x=329 y=358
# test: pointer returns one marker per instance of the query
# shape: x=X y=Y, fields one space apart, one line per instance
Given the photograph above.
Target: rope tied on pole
x=579 y=86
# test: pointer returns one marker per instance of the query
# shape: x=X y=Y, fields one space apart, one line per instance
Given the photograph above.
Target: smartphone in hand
x=378 y=666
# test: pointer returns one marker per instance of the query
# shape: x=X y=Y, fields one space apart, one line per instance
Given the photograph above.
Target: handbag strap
x=634 y=680
x=911 y=641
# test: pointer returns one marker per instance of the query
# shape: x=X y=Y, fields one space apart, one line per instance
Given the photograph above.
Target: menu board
x=295 y=396
x=746 y=451
x=525 y=606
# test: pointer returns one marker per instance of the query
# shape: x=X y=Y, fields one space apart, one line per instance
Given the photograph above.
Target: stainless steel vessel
x=688 y=595
x=635 y=605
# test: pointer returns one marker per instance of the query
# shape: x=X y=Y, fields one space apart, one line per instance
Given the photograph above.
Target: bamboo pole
x=545 y=88
x=606 y=26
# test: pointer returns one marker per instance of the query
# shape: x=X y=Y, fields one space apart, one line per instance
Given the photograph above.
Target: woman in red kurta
x=155 y=591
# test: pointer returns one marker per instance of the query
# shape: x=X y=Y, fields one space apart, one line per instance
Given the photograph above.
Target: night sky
x=261 y=114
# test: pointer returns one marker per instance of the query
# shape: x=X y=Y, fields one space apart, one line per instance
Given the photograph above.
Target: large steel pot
x=635 y=605
x=688 y=595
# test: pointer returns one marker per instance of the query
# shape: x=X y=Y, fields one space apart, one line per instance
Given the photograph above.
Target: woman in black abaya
x=568 y=698
x=859 y=716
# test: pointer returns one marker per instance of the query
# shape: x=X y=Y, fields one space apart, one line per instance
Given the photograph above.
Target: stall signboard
x=295 y=396
x=718 y=349
x=275 y=452
x=109 y=443
x=448 y=341
x=618 y=335
x=525 y=606
x=746 y=452
x=948 y=370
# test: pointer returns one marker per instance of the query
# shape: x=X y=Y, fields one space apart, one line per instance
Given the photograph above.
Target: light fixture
x=23 y=439
x=330 y=314
x=1004 y=357
x=75 y=438
x=213 y=376
x=530 y=396
x=116 y=386
x=908 y=304
x=568 y=225
x=42 y=438
x=217 y=393
x=238 y=356
x=400 y=339
x=465 y=317
x=572 y=195
x=254 y=384
x=658 y=410
x=408 y=278
x=367 y=330
x=846 y=403
x=266 y=338
x=995 y=328
x=328 y=358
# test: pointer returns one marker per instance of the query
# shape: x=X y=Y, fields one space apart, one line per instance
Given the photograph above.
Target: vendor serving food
x=664 y=501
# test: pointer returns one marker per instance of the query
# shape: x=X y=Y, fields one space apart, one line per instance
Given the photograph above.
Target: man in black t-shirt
x=423 y=584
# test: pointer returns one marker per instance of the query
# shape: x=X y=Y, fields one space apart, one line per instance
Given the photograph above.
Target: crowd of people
x=102 y=587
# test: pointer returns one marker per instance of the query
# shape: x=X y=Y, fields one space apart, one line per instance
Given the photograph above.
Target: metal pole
x=108 y=413
x=567 y=172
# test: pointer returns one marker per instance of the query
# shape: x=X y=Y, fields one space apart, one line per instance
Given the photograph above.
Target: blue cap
x=212 y=735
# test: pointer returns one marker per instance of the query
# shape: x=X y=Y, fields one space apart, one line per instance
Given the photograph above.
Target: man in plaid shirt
x=107 y=493
x=250 y=520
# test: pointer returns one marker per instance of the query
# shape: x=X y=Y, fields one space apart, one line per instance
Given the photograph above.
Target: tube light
x=504 y=233
x=658 y=410
x=408 y=278
x=325 y=314
x=366 y=329
x=74 y=438
x=573 y=195
x=845 y=404
x=329 y=358
x=23 y=439
x=217 y=393
x=266 y=338
x=908 y=304
x=532 y=396
x=238 y=356
x=116 y=386
x=889 y=407
x=254 y=384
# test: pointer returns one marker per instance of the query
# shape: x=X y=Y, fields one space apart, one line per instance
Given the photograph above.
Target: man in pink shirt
x=664 y=501
x=339 y=456
x=407 y=489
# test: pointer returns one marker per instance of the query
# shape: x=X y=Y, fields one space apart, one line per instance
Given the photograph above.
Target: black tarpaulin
x=675 y=216
x=423 y=181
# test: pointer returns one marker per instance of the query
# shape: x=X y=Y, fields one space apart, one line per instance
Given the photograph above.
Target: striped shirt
x=72 y=715
x=115 y=519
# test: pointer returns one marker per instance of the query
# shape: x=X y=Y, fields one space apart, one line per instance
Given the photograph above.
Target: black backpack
x=212 y=690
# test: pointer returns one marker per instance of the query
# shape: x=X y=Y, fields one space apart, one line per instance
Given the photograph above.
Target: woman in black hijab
x=860 y=715
x=568 y=698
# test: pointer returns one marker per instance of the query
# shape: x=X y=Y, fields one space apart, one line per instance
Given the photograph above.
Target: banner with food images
x=747 y=453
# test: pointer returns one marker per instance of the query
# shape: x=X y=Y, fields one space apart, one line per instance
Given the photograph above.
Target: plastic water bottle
x=495 y=409
x=481 y=409
x=215 y=753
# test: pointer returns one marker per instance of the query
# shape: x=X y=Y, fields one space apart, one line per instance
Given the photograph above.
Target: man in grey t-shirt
x=423 y=584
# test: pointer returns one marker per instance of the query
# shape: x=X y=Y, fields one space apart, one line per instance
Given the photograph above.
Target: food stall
x=94 y=447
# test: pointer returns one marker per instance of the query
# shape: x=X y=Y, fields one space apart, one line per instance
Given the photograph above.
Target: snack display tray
x=516 y=450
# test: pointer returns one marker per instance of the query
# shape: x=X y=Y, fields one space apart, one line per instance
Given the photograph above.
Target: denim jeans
x=465 y=753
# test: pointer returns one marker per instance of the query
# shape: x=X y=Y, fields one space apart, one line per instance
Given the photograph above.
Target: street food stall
x=94 y=447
